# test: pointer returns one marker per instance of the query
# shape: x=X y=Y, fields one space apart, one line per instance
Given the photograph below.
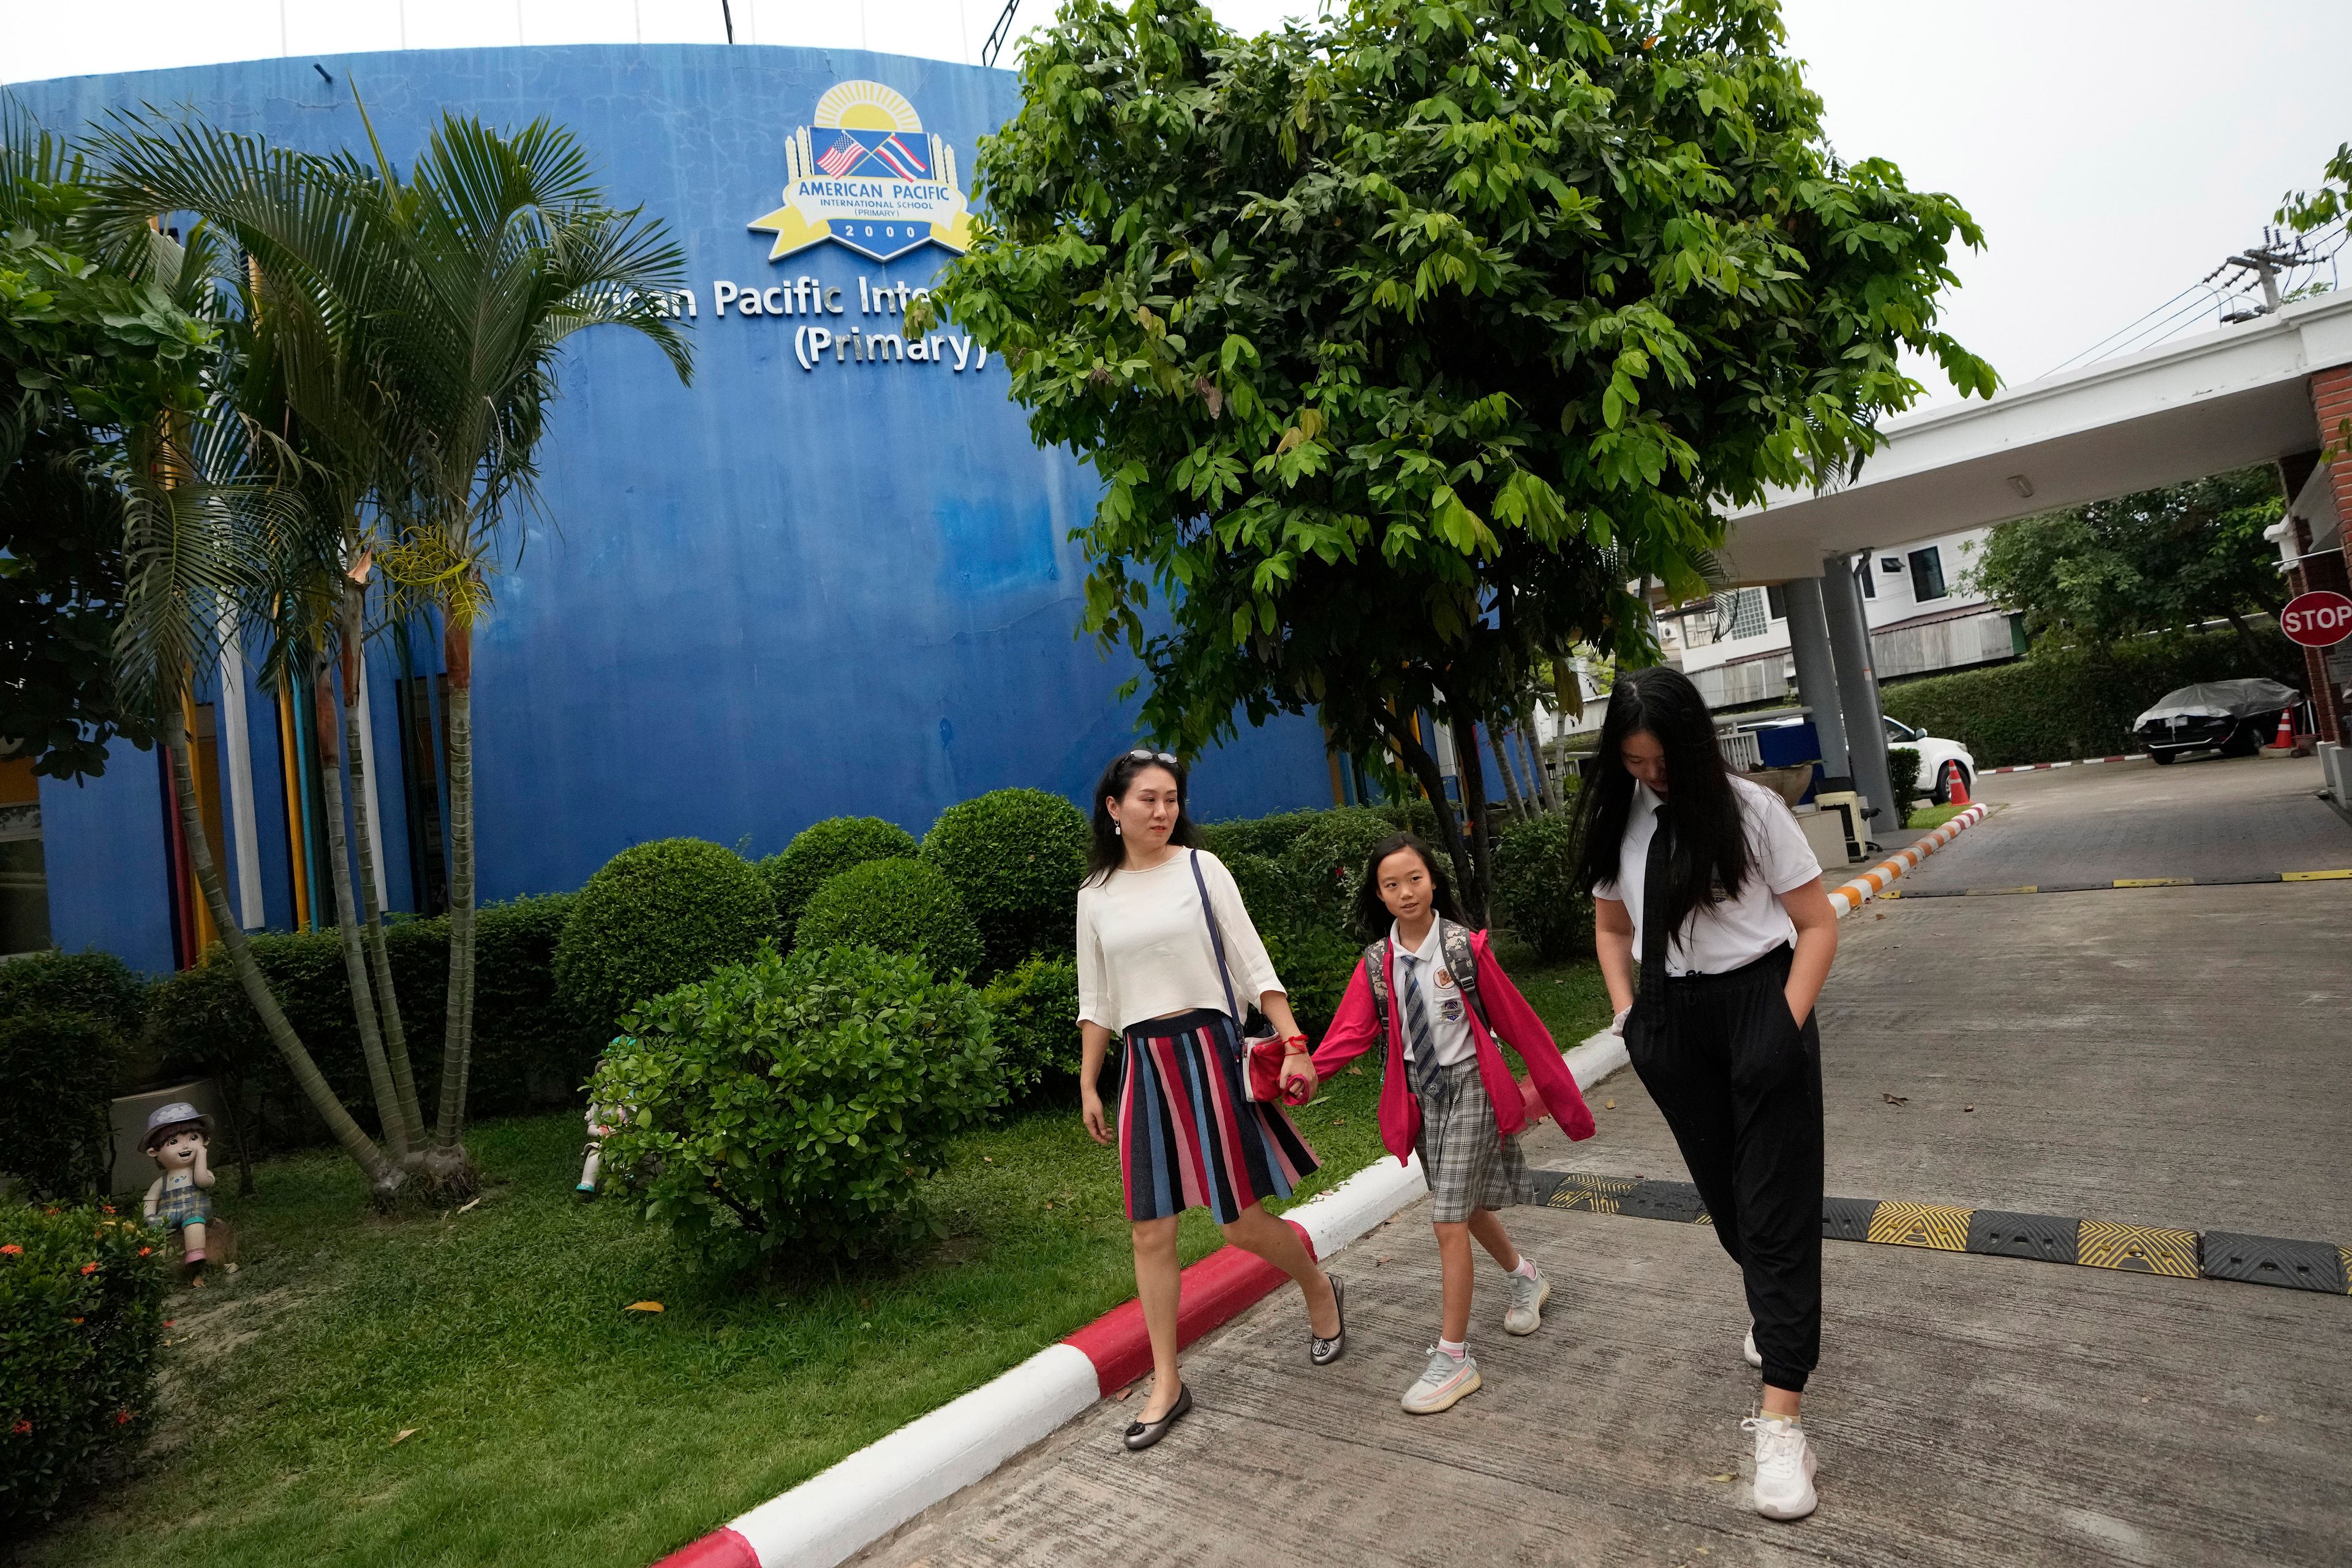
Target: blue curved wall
x=778 y=595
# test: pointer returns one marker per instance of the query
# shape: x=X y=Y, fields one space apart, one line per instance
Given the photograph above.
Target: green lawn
x=552 y=1425
x=1933 y=816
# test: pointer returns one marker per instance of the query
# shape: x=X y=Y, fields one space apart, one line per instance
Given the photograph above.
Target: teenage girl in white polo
x=1707 y=877
x=1150 y=971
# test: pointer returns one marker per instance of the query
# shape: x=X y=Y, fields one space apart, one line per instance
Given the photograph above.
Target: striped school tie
x=1425 y=1071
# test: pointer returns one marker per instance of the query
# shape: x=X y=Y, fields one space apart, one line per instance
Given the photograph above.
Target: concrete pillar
x=1858 y=691
x=1809 y=643
x=2331 y=402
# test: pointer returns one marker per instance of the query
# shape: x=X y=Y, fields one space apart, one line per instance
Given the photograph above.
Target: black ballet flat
x=1141 y=1435
x=1323 y=1351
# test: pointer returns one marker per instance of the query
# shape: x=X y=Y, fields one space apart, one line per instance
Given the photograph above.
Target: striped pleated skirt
x=1188 y=1133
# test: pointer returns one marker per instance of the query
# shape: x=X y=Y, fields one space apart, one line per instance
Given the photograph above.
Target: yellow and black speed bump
x=1996 y=1233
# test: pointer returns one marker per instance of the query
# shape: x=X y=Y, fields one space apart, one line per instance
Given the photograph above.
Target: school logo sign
x=864 y=173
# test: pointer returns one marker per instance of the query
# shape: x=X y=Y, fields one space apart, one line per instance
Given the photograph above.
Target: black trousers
x=1740 y=1085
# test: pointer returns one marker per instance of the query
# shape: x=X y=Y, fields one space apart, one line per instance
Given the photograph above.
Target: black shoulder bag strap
x=1217 y=940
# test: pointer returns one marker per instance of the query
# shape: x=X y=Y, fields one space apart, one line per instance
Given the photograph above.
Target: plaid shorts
x=1467 y=1160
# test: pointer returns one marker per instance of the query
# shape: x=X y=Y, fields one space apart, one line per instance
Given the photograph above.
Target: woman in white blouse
x=1712 y=877
x=1150 y=972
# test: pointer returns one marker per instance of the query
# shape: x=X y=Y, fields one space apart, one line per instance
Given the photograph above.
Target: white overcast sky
x=2113 y=151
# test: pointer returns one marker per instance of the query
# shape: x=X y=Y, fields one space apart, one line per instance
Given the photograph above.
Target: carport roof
x=2213 y=402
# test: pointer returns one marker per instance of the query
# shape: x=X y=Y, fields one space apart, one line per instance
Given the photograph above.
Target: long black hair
x=1107 y=851
x=1710 y=859
x=1373 y=916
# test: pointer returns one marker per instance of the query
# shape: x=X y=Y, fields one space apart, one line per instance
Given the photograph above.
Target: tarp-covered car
x=2236 y=718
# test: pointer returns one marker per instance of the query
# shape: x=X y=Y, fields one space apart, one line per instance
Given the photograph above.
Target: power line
x=2262 y=266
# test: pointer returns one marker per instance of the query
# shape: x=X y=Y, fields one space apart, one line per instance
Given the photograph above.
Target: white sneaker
x=1446 y=1383
x=1784 y=1469
x=1524 y=1315
x=1747 y=1349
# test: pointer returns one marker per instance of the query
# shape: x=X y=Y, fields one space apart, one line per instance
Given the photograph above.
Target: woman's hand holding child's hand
x=1298 y=1080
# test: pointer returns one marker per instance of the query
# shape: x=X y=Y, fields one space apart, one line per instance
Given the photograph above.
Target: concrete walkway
x=2168 y=1057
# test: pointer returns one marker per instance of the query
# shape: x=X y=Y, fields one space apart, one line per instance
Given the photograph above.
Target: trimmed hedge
x=1326 y=862
x=2077 y=703
x=822 y=851
x=1270 y=837
x=92 y=983
x=81 y=1321
x=1903 y=772
x=1035 y=1006
x=658 y=916
x=57 y=1072
x=529 y=1051
x=1537 y=896
x=899 y=906
x=792 y=1108
x=1015 y=856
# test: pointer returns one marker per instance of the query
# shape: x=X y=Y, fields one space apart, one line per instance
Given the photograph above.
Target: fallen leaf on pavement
x=1967 y=1108
x=1612 y=1105
x=1895 y=1099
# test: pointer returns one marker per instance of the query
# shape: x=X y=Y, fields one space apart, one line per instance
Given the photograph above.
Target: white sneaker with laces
x=1754 y=1357
x=1784 y=1467
x=1444 y=1385
x=1524 y=1315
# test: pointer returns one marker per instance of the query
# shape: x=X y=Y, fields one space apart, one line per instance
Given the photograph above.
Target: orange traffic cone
x=2286 y=740
x=1958 y=793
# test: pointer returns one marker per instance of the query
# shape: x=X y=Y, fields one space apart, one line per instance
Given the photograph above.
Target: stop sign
x=2320 y=618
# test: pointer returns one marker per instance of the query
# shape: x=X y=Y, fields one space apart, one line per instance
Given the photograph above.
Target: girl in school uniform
x=1165 y=950
x=1432 y=992
x=1706 y=879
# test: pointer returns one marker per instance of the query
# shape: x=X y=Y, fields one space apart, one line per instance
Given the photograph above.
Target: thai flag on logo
x=836 y=159
x=903 y=160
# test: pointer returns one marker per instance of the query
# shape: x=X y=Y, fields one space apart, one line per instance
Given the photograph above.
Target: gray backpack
x=1461 y=960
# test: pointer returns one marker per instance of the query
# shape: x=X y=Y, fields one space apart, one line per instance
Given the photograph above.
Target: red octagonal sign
x=2320 y=618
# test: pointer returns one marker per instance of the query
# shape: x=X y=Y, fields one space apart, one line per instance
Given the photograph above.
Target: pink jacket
x=1551 y=1087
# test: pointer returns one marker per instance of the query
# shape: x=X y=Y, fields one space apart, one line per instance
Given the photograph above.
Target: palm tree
x=404 y=337
x=514 y=249
x=293 y=409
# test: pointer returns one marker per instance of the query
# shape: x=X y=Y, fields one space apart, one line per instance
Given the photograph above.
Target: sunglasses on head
x=1145 y=755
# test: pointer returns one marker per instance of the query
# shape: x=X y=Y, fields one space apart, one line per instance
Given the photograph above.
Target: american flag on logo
x=836 y=159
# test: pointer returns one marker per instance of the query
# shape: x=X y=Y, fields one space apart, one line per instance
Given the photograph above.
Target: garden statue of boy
x=178 y=1136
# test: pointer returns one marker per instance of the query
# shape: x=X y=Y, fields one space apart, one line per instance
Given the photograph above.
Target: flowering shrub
x=81 y=1319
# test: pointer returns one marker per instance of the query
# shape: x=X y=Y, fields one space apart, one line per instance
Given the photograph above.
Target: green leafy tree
x=2311 y=210
x=415 y=325
x=1402 y=342
x=2146 y=562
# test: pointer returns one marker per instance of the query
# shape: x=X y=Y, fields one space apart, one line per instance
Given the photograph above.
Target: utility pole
x=2266 y=261
x=996 y=35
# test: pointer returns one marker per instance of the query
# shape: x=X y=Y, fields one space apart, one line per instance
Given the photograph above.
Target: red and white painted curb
x=1853 y=895
x=837 y=1513
x=2081 y=762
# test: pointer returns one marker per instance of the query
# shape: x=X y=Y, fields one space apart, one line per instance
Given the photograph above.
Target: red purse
x=1262 y=1055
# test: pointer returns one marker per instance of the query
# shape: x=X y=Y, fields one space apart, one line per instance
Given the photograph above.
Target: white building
x=1922 y=616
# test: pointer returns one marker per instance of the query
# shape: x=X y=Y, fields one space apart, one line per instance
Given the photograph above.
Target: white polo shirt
x=1722 y=936
x=1441 y=998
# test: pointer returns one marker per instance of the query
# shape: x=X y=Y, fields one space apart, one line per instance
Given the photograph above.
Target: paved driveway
x=2205 y=818
x=2173 y=1056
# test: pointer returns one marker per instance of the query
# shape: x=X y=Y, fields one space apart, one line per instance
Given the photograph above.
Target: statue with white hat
x=178 y=1139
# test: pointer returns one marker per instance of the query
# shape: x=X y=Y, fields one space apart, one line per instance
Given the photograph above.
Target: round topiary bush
x=824 y=850
x=81 y=1316
x=899 y=906
x=1035 y=1006
x=1015 y=858
x=56 y=1076
x=1326 y=860
x=1536 y=895
x=793 y=1107
x=658 y=916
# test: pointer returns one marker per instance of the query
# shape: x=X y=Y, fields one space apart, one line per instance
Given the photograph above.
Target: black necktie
x=1654 y=935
